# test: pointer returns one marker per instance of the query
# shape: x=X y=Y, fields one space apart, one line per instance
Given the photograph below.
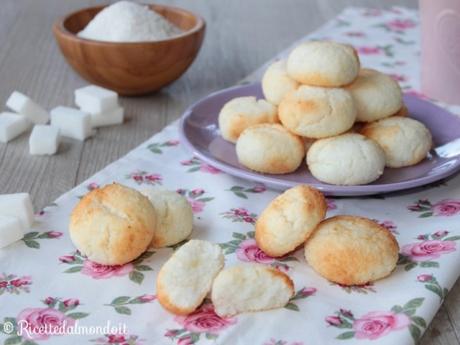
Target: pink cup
x=441 y=49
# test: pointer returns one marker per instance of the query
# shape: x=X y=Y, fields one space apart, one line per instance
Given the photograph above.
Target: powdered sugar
x=126 y=21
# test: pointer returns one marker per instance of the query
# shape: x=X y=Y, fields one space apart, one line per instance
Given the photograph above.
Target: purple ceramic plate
x=200 y=133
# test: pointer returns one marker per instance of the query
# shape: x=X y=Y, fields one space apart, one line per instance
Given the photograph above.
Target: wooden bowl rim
x=60 y=29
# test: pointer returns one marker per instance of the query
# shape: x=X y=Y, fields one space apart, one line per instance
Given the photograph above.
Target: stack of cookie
x=349 y=122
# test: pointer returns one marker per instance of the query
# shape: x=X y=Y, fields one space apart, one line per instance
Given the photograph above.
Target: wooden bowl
x=131 y=68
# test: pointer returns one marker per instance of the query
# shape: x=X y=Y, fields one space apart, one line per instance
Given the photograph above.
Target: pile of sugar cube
x=16 y=216
x=98 y=107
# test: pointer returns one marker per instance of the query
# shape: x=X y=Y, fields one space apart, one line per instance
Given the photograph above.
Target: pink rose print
x=240 y=215
x=333 y=320
x=196 y=164
x=67 y=259
x=300 y=295
x=246 y=249
x=121 y=303
x=431 y=284
x=377 y=324
x=98 y=271
x=369 y=50
x=71 y=302
x=32 y=239
x=32 y=320
x=209 y=169
x=308 y=291
x=196 y=198
x=242 y=192
x=159 y=147
x=447 y=207
x=443 y=208
x=54 y=234
x=13 y=284
x=92 y=186
x=273 y=341
x=197 y=206
x=398 y=77
x=389 y=225
x=400 y=24
x=147 y=298
x=331 y=204
x=80 y=264
x=187 y=340
x=141 y=177
x=428 y=250
x=204 y=320
x=249 y=252
x=118 y=339
x=49 y=301
x=423 y=278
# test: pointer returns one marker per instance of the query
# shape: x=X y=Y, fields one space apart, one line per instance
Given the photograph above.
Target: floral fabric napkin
x=45 y=283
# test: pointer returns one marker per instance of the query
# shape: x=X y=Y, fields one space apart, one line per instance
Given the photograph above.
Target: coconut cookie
x=276 y=83
x=323 y=63
x=376 y=95
x=243 y=112
x=270 y=148
x=289 y=220
x=174 y=216
x=250 y=287
x=186 y=278
x=317 y=112
x=351 y=250
x=347 y=159
x=405 y=141
x=112 y=225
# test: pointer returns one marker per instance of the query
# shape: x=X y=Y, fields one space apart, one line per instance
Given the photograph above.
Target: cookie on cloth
x=174 y=216
x=376 y=95
x=289 y=220
x=323 y=63
x=242 y=112
x=186 y=278
x=351 y=250
x=270 y=148
x=249 y=288
x=112 y=225
x=347 y=159
x=276 y=83
x=405 y=141
x=317 y=112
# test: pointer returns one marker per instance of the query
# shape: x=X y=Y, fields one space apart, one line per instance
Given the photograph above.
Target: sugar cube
x=11 y=126
x=107 y=118
x=11 y=230
x=71 y=122
x=95 y=99
x=22 y=104
x=44 y=140
x=18 y=205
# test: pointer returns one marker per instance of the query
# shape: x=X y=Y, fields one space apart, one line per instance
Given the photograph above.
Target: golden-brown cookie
x=289 y=220
x=405 y=141
x=351 y=250
x=270 y=148
x=112 y=225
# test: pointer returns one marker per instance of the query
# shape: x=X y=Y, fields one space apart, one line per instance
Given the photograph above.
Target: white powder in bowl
x=126 y=21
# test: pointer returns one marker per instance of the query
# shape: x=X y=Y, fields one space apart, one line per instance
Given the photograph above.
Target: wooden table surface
x=236 y=44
